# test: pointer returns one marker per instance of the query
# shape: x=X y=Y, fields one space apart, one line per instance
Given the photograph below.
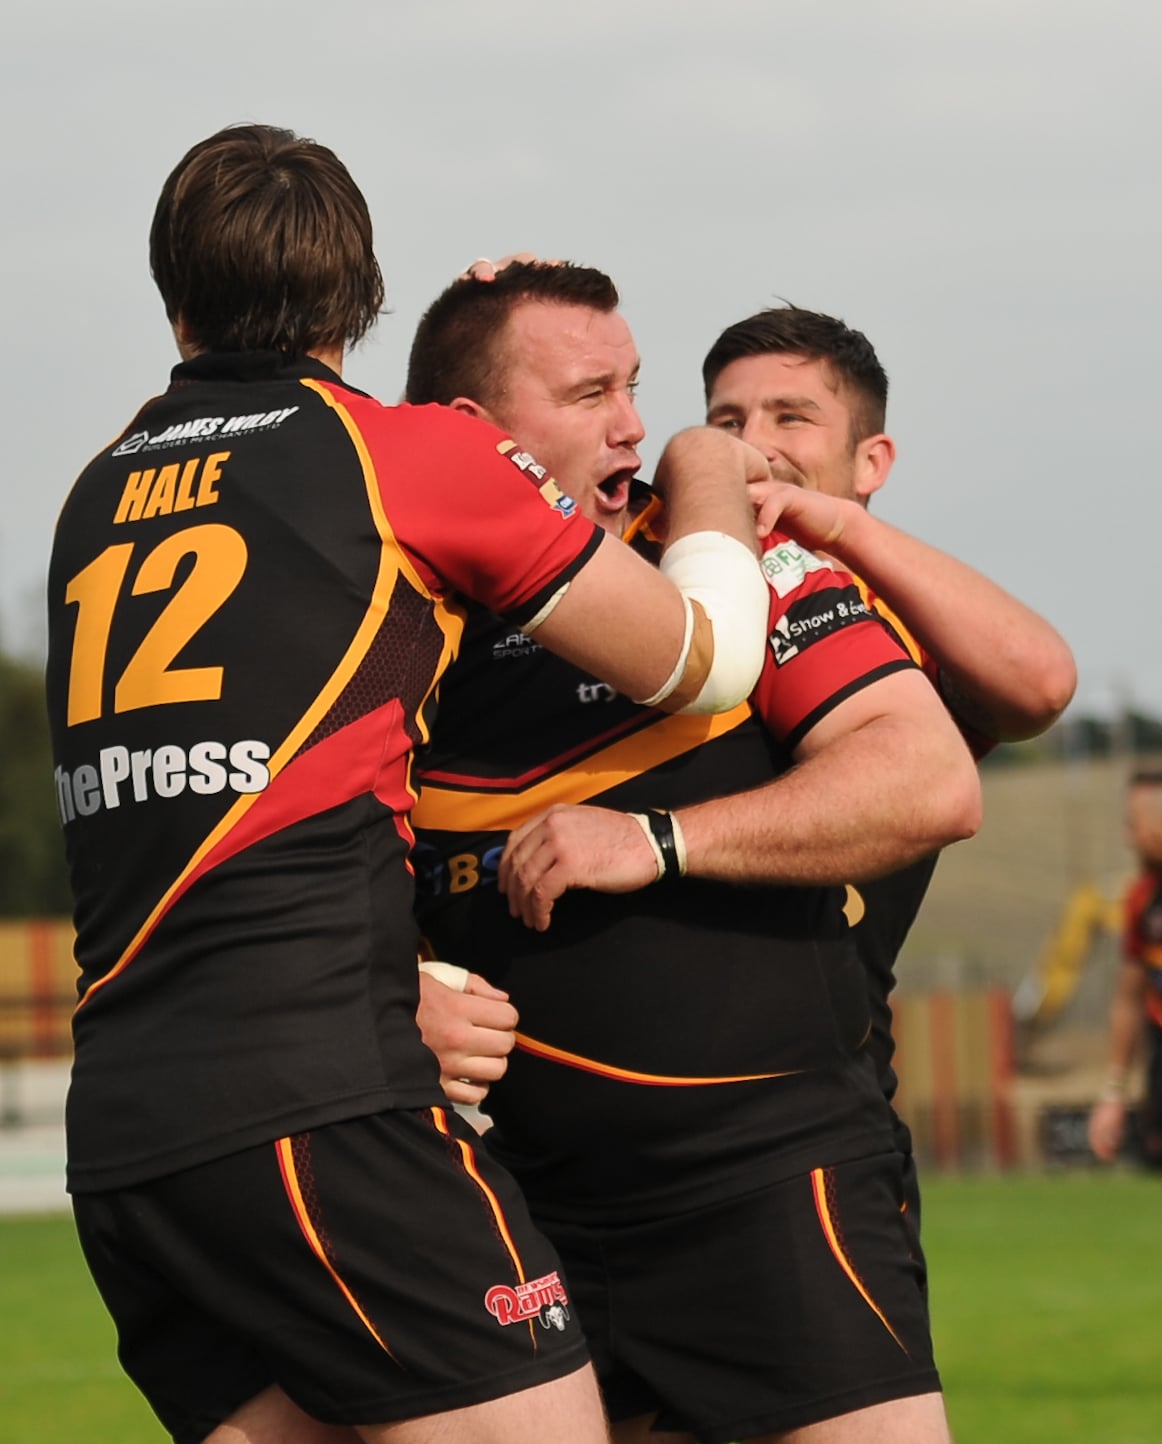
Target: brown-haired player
x=810 y=392
x=253 y=592
x=735 y=1238
x=689 y=1088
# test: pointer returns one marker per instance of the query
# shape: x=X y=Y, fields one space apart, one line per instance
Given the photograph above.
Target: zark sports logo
x=544 y=1299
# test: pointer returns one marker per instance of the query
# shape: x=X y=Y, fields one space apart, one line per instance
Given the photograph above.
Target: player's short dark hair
x=1146 y=777
x=794 y=331
x=459 y=347
x=262 y=241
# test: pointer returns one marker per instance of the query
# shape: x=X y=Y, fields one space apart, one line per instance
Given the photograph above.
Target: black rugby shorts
x=780 y=1308
x=378 y=1269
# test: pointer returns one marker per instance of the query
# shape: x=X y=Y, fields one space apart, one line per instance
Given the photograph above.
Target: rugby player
x=689 y=1108
x=810 y=393
x=1136 y=1009
x=253 y=592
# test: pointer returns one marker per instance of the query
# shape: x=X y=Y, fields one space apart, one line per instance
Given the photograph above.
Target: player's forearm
x=878 y=799
x=702 y=476
x=690 y=635
x=1015 y=671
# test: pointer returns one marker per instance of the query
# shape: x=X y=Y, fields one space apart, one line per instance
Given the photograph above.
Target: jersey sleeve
x=1142 y=937
x=475 y=513
x=825 y=644
x=1142 y=918
x=979 y=743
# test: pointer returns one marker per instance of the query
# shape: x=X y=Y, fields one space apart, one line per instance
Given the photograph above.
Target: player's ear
x=873 y=460
x=473 y=408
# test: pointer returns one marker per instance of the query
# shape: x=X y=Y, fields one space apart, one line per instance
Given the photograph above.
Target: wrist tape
x=663 y=832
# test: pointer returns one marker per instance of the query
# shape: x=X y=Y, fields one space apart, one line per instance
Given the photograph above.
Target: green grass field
x=1046 y=1297
x=1046 y=1305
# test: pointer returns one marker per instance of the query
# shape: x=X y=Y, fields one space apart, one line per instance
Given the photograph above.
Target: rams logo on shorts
x=544 y=1299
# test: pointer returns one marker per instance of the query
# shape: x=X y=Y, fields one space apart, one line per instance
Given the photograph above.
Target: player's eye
x=727 y=423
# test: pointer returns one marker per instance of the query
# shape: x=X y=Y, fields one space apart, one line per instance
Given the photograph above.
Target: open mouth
x=613 y=492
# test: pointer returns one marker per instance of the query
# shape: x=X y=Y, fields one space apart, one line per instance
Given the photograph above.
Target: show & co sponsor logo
x=814 y=617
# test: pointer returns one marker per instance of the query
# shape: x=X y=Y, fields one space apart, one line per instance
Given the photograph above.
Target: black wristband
x=662 y=828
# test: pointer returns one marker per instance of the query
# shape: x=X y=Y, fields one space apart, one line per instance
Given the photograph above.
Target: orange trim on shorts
x=627 y=1075
x=468 y=1158
x=294 y=1193
x=818 y=1187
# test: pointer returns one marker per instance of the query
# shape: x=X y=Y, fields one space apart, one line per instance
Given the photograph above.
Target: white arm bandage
x=450 y=974
x=722 y=578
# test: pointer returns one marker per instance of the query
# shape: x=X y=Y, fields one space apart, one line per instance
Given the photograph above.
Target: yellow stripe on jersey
x=449 y=617
x=877 y=604
x=629 y=1075
x=392 y=562
x=445 y=809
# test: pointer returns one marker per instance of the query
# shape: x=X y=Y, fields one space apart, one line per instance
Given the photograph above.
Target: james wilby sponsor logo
x=543 y=1299
x=201 y=427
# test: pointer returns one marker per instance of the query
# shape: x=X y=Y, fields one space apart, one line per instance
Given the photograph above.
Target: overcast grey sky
x=974 y=184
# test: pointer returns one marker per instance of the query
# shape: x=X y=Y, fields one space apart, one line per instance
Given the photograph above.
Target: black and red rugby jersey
x=881 y=912
x=252 y=595
x=1142 y=936
x=693 y=1038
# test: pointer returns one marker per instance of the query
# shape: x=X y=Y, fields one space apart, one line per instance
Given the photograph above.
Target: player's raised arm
x=882 y=774
x=884 y=779
x=690 y=635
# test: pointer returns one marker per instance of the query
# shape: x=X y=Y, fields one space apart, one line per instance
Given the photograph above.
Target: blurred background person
x=1136 y=1010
